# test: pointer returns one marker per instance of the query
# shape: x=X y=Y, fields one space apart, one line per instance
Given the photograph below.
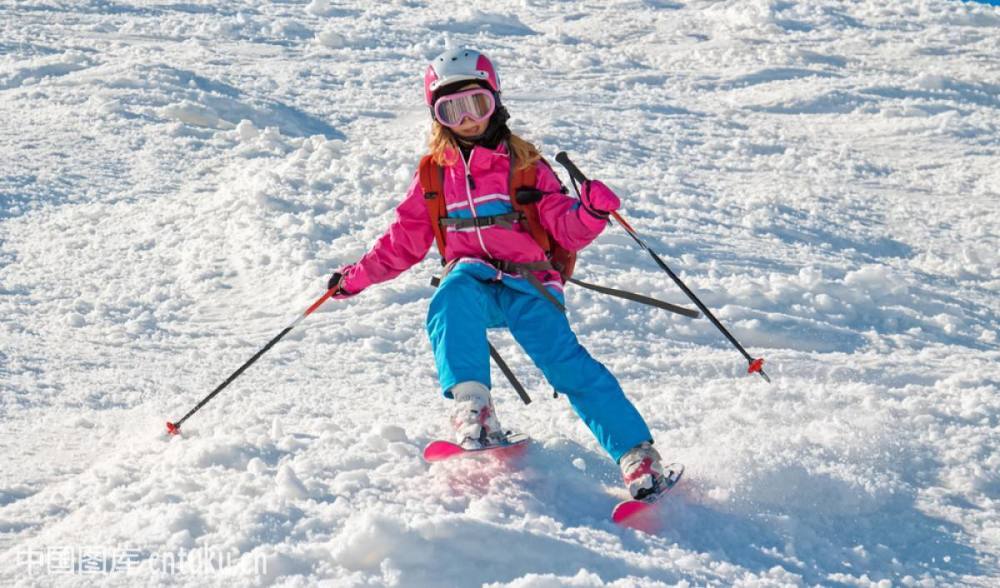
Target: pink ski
x=442 y=450
x=632 y=513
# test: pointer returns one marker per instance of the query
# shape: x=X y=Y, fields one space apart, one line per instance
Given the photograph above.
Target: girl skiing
x=497 y=273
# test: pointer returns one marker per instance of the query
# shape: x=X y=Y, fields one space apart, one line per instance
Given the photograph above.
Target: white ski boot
x=642 y=471
x=473 y=417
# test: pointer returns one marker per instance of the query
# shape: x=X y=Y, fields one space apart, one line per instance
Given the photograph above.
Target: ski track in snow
x=178 y=179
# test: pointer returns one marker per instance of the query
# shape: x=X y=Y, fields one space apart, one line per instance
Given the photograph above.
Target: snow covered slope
x=178 y=179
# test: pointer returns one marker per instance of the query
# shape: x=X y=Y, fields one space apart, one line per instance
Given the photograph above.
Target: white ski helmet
x=455 y=65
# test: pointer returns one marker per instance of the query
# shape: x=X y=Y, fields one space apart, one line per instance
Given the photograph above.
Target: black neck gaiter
x=496 y=132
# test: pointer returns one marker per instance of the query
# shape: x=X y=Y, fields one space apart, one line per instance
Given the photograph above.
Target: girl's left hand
x=598 y=199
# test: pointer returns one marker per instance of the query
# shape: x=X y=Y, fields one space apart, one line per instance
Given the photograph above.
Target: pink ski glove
x=598 y=199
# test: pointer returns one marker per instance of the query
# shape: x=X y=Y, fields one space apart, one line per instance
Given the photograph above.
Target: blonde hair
x=444 y=148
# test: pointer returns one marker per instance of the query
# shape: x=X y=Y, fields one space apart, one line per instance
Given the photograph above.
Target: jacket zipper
x=472 y=205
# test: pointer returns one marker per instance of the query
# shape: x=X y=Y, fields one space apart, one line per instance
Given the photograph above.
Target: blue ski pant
x=465 y=306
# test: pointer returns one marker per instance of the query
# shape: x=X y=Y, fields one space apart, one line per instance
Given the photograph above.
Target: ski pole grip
x=577 y=175
x=574 y=171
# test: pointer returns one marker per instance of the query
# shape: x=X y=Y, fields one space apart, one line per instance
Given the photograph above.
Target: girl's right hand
x=334 y=284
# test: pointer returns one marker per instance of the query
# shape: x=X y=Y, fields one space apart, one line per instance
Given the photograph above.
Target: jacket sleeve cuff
x=355 y=279
x=591 y=220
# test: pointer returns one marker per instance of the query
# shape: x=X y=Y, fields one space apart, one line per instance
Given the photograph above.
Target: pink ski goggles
x=477 y=104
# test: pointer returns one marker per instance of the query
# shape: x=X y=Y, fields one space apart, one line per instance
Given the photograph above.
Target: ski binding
x=628 y=512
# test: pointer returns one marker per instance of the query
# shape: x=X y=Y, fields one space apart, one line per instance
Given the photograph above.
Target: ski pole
x=755 y=364
x=174 y=428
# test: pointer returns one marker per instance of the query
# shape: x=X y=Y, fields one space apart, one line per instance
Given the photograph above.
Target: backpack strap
x=520 y=179
x=563 y=260
x=432 y=182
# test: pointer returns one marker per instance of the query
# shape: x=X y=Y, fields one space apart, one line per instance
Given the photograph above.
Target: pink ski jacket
x=473 y=188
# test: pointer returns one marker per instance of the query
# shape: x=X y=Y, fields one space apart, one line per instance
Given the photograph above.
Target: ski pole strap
x=637 y=298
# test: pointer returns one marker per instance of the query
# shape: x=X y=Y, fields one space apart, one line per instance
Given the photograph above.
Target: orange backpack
x=523 y=197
